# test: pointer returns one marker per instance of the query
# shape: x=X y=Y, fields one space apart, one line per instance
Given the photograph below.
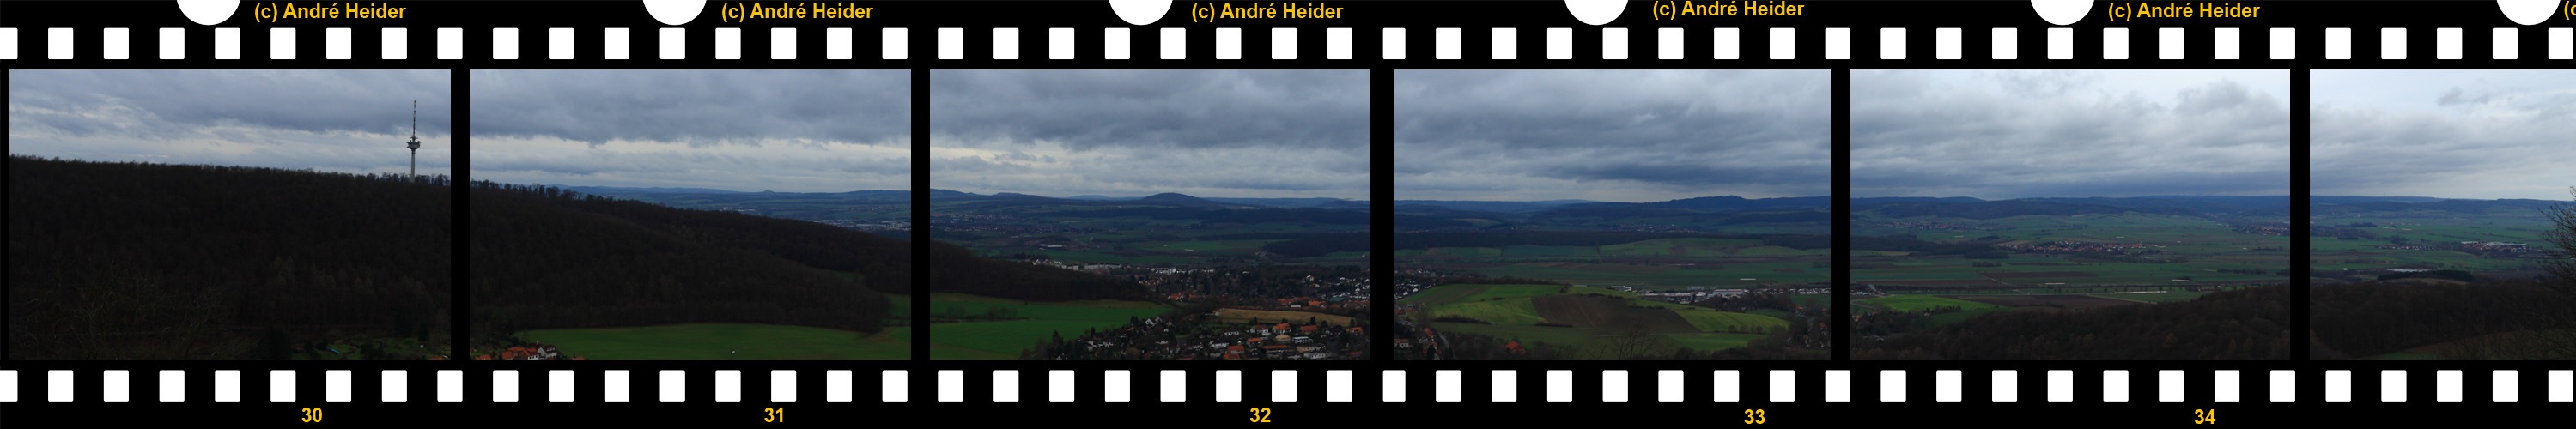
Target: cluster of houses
x=1694 y=294
x=1229 y=287
x=868 y=225
x=1194 y=339
x=1941 y=226
x=2263 y=229
x=1414 y=280
x=2076 y=247
x=1094 y=268
x=527 y=352
x=2494 y=247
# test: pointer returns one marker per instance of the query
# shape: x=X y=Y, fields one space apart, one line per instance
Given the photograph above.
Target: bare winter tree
x=2562 y=235
x=2556 y=336
x=2549 y=329
x=1632 y=342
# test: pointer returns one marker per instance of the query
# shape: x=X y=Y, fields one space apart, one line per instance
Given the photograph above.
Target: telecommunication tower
x=414 y=144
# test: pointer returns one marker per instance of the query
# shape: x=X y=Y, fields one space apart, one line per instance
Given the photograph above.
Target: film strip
x=2298 y=36
x=1436 y=34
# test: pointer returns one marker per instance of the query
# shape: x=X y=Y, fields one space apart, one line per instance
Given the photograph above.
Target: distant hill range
x=1285 y=203
x=1487 y=206
x=2202 y=206
x=1345 y=214
x=1972 y=208
x=1167 y=199
x=1421 y=215
x=720 y=195
x=2327 y=205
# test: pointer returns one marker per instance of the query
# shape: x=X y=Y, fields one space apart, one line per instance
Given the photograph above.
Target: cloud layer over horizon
x=1612 y=135
x=1210 y=133
x=2023 y=134
x=351 y=121
x=2445 y=134
x=742 y=130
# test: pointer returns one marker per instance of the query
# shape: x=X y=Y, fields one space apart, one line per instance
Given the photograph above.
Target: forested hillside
x=2240 y=324
x=546 y=258
x=2376 y=318
x=129 y=260
x=955 y=268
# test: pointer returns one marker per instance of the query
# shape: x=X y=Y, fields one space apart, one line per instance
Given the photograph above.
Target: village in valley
x=1228 y=313
x=1206 y=335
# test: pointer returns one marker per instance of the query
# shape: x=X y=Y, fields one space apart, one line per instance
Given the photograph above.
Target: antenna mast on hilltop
x=414 y=144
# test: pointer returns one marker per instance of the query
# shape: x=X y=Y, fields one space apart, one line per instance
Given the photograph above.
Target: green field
x=1710 y=342
x=2204 y=251
x=1005 y=339
x=1679 y=247
x=1524 y=333
x=1660 y=276
x=2162 y=297
x=1587 y=343
x=1513 y=312
x=1660 y=263
x=2357 y=259
x=1524 y=291
x=726 y=341
x=1911 y=303
x=1239 y=246
x=1504 y=312
x=1719 y=321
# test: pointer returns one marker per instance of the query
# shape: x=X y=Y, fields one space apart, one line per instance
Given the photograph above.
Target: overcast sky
x=742 y=130
x=2449 y=134
x=352 y=121
x=2022 y=134
x=1612 y=135
x=1209 y=133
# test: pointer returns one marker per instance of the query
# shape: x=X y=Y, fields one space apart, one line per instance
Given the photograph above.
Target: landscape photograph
x=681 y=214
x=2440 y=215
x=229 y=214
x=2070 y=214
x=1149 y=214
x=1621 y=214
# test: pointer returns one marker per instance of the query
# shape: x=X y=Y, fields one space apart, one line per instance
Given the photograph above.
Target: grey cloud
x=164 y=101
x=2455 y=98
x=2014 y=135
x=1624 y=135
x=1222 y=133
x=331 y=120
x=699 y=107
x=787 y=131
x=1087 y=109
x=2489 y=134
